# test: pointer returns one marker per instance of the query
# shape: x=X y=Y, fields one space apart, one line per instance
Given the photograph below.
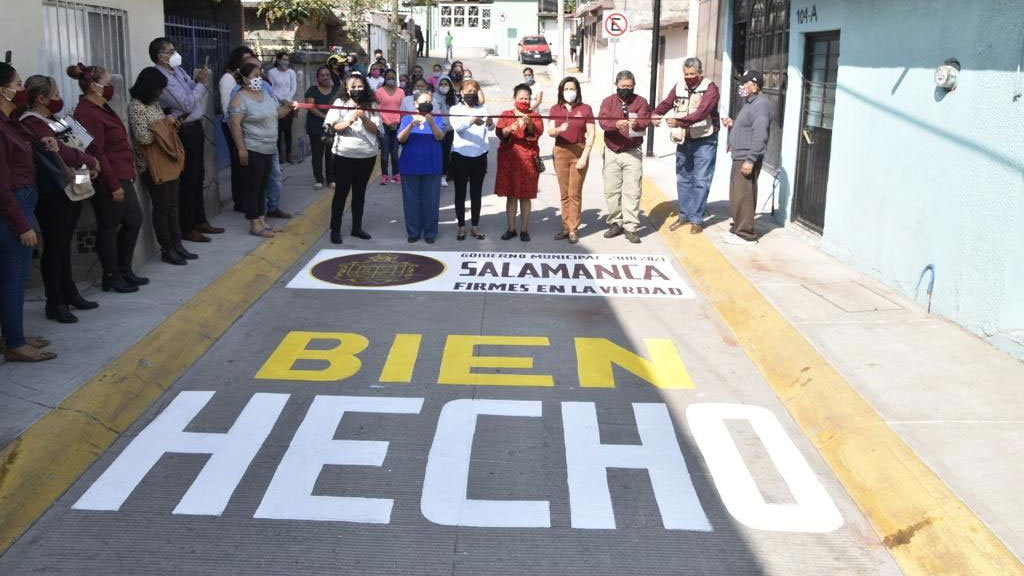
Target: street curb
x=920 y=520
x=47 y=458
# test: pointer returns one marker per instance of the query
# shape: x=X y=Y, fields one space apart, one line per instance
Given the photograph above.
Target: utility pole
x=561 y=38
x=393 y=47
x=655 y=46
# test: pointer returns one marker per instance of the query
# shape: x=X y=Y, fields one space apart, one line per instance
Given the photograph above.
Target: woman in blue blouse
x=420 y=164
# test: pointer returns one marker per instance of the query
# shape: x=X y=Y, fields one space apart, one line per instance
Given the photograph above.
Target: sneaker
x=735 y=240
x=613 y=231
x=330 y=185
x=383 y=179
x=318 y=186
x=397 y=178
x=444 y=181
x=633 y=237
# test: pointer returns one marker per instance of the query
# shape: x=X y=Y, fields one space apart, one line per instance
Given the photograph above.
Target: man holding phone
x=183 y=99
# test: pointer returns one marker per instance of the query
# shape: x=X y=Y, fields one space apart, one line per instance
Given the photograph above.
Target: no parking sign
x=615 y=25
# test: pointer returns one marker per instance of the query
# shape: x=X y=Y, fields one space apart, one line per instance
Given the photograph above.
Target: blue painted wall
x=918 y=176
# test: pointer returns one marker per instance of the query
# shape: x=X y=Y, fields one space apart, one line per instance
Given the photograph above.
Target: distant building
x=477 y=27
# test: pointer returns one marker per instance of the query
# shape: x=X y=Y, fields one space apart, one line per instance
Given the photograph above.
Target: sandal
x=263 y=233
x=16 y=356
x=33 y=341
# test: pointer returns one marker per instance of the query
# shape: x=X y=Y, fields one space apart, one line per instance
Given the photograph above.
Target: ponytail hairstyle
x=39 y=86
x=85 y=75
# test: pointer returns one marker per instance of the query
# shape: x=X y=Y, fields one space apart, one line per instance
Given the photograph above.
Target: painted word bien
x=336 y=357
x=444 y=498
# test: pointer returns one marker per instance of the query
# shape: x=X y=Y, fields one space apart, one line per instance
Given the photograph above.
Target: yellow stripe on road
x=925 y=526
x=42 y=463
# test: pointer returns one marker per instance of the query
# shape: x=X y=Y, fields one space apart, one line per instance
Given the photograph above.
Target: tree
x=296 y=12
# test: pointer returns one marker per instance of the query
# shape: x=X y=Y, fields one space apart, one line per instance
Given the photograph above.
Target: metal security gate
x=94 y=35
x=197 y=40
x=821 y=67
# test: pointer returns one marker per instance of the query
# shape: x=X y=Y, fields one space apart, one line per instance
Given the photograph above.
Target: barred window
x=74 y=32
x=761 y=42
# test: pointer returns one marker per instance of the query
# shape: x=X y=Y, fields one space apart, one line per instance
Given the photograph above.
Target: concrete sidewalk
x=29 y=391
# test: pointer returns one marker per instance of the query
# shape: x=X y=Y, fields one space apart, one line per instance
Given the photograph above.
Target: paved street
x=475 y=407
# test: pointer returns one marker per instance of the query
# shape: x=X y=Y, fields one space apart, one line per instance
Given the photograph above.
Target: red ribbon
x=415 y=113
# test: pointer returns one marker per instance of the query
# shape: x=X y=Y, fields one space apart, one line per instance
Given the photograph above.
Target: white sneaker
x=735 y=240
x=444 y=181
x=318 y=186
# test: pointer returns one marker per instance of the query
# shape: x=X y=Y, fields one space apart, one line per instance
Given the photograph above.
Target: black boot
x=335 y=236
x=77 y=301
x=60 y=313
x=117 y=284
x=172 y=257
x=184 y=253
x=131 y=278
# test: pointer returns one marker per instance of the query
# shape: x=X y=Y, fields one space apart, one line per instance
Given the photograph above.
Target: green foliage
x=295 y=12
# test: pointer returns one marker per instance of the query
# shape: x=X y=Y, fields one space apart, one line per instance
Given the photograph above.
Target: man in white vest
x=691 y=111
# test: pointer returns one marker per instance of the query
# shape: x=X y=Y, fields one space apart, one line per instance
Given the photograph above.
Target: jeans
x=468 y=170
x=421 y=201
x=15 y=262
x=273 y=187
x=57 y=217
x=354 y=174
x=118 y=225
x=191 y=205
x=323 y=160
x=695 y=166
x=389 y=150
x=257 y=181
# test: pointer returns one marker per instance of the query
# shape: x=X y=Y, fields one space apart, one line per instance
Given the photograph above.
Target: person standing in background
x=321 y=94
x=444 y=99
x=376 y=79
x=748 y=142
x=282 y=80
x=389 y=97
x=528 y=78
x=226 y=87
x=448 y=46
x=419 y=42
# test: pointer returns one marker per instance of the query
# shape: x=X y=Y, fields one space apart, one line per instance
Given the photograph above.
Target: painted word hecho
x=444 y=498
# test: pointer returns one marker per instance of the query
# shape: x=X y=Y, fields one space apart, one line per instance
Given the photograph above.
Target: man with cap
x=748 y=142
x=693 y=122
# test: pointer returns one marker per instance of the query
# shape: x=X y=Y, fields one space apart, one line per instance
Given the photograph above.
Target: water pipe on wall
x=1017 y=91
x=931 y=284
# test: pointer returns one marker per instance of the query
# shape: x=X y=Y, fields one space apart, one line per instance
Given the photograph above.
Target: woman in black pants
x=321 y=93
x=227 y=84
x=115 y=203
x=57 y=214
x=355 y=151
x=470 y=124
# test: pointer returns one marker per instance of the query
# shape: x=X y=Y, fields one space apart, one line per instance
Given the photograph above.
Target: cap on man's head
x=752 y=76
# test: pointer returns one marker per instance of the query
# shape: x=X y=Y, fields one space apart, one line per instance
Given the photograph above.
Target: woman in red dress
x=518 y=155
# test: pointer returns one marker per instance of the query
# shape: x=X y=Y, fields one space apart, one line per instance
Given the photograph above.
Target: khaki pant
x=570 y=183
x=623 y=172
x=743 y=199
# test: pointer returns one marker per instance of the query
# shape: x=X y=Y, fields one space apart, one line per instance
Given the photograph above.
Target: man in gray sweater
x=748 y=141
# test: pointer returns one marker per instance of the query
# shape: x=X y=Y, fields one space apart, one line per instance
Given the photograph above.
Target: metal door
x=821 y=67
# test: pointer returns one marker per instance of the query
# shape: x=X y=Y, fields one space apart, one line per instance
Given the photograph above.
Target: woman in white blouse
x=355 y=150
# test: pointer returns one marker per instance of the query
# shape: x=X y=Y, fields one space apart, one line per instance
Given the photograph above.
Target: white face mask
x=256 y=83
x=444 y=90
x=570 y=95
x=175 y=60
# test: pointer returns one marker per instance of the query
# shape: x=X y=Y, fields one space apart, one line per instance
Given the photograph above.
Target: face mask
x=417 y=75
x=174 y=61
x=692 y=83
x=437 y=73
x=20 y=98
x=741 y=90
x=523 y=106
x=444 y=90
x=375 y=73
x=108 y=91
x=528 y=80
x=356 y=95
x=471 y=99
x=416 y=92
x=55 y=105
x=284 y=64
x=380 y=58
x=391 y=82
x=457 y=76
x=256 y=83
x=570 y=95
x=425 y=107
x=624 y=93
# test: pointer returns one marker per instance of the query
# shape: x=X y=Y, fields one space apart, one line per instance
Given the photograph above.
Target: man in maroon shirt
x=694 y=122
x=623 y=117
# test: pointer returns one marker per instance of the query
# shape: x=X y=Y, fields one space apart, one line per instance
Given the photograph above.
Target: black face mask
x=425 y=107
x=457 y=76
x=471 y=99
x=624 y=93
x=356 y=95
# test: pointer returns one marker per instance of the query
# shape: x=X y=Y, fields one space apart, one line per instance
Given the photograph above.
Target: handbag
x=51 y=173
x=80 y=187
x=538 y=163
x=327 y=135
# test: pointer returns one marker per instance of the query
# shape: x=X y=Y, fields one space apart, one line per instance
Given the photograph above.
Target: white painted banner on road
x=625 y=275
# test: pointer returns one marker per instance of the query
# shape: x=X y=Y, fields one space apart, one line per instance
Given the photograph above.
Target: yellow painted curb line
x=925 y=526
x=42 y=463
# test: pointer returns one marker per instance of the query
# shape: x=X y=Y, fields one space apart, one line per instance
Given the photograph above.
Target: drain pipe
x=931 y=284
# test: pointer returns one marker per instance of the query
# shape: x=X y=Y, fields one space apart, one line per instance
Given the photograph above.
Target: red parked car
x=534 y=50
